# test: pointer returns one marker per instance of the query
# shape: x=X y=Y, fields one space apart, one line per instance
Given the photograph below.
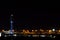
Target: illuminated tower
x=11 y=24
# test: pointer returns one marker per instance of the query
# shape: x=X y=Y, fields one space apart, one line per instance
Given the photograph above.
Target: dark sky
x=30 y=17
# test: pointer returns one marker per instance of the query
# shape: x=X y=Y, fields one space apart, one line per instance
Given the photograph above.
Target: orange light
x=28 y=31
x=36 y=30
x=2 y=30
x=50 y=31
x=59 y=30
x=41 y=30
x=23 y=30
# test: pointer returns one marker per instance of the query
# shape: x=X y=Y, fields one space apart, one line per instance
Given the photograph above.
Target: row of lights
x=37 y=30
x=41 y=36
x=32 y=30
x=43 y=31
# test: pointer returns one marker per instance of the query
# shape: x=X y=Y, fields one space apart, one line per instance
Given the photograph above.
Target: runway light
x=5 y=36
x=42 y=35
x=51 y=36
x=54 y=36
x=14 y=35
x=35 y=35
x=29 y=35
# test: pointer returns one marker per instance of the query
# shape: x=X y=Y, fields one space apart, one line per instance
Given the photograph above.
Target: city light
x=53 y=29
x=50 y=31
x=23 y=30
x=41 y=30
x=32 y=30
x=5 y=35
x=59 y=30
x=36 y=30
x=42 y=35
x=35 y=35
x=0 y=34
x=14 y=35
x=2 y=30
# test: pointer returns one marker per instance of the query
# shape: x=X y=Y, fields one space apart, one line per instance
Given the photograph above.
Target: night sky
x=30 y=18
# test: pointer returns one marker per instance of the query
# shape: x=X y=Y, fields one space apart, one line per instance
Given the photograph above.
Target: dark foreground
x=28 y=38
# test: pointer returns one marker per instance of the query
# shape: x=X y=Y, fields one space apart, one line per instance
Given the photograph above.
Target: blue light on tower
x=11 y=24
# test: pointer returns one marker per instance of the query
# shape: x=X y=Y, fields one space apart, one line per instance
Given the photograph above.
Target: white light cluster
x=53 y=29
x=42 y=35
x=0 y=34
x=14 y=35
